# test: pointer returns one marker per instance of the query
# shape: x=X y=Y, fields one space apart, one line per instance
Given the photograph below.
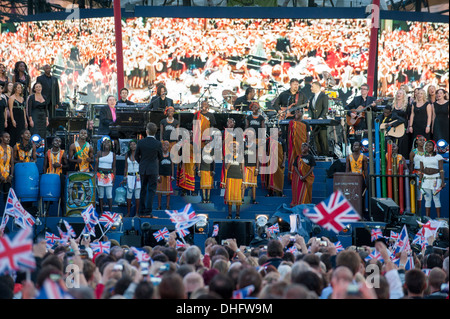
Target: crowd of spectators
x=310 y=271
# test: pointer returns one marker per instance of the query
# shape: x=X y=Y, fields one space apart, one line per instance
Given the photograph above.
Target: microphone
x=212 y=84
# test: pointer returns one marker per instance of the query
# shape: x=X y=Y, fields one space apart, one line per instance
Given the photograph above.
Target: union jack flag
x=52 y=290
x=275 y=228
x=402 y=242
x=338 y=246
x=244 y=292
x=394 y=235
x=70 y=230
x=375 y=254
x=17 y=254
x=408 y=265
x=333 y=213
x=182 y=232
x=180 y=244
x=183 y=219
x=101 y=247
x=108 y=218
x=161 y=234
x=376 y=233
x=420 y=240
x=51 y=238
x=5 y=220
x=64 y=237
x=215 y=230
x=140 y=254
x=430 y=228
x=15 y=209
x=292 y=250
x=90 y=219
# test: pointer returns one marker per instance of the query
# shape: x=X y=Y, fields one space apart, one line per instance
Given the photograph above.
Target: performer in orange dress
x=303 y=177
x=297 y=135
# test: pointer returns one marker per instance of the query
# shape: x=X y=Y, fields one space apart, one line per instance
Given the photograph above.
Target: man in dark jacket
x=50 y=89
x=148 y=154
x=318 y=108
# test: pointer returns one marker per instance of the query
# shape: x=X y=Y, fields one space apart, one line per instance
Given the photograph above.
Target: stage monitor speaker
x=384 y=209
x=243 y=231
x=131 y=240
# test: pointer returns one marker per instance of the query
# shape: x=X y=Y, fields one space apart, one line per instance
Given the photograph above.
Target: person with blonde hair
x=421 y=116
x=400 y=112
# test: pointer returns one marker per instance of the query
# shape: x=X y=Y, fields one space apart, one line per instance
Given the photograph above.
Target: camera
x=224 y=242
x=144 y=268
x=323 y=243
x=292 y=238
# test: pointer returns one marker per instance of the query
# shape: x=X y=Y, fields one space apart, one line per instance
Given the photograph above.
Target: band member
x=186 y=168
x=55 y=159
x=25 y=150
x=124 y=98
x=357 y=162
x=303 y=177
x=229 y=131
x=166 y=175
x=242 y=103
x=251 y=165
x=233 y=184
x=298 y=134
x=275 y=183
x=318 y=108
x=160 y=101
x=169 y=125
x=356 y=118
x=105 y=170
x=290 y=98
x=6 y=165
x=132 y=177
x=81 y=153
x=415 y=157
x=206 y=172
x=107 y=116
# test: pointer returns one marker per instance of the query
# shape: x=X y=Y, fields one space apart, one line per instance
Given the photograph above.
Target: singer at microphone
x=160 y=101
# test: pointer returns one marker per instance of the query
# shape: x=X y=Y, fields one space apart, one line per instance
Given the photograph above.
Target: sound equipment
x=384 y=210
x=131 y=240
x=242 y=231
x=362 y=237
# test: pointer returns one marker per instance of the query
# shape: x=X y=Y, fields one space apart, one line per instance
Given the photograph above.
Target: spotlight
x=442 y=146
x=201 y=225
x=365 y=145
x=36 y=138
x=261 y=220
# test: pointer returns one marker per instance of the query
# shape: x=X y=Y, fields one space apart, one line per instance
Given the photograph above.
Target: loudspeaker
x=384 y=209
x=242 y=231
x=131 y=240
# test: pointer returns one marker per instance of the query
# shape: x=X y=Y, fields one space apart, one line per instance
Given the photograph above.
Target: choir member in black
x=160 y=101
x=255 y=120
x=441 y=116
x=421 y=116
x=166 y=176
x=357 y=120
x=3 y=112
x=50 y=89
x=17 y=112
x=169 y=125
x=21 y=76
x=242 y=103
x=37 y=111
x=206 y=172
x=123 y=101
x=290 y=98
x=3 y=77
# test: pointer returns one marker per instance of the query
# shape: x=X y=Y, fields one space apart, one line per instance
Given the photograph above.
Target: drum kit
x=77 y=107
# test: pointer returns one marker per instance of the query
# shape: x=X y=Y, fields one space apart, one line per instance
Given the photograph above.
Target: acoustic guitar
x=360 y=114
x=396 y=132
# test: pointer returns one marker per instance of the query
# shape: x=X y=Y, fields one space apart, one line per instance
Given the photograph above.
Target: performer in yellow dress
x=6 y=165
x=81 y=153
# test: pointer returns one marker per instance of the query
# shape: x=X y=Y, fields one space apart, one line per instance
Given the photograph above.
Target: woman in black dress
x=421 y=116
x=17 y=113
x=400 y=111
x=3 y=113
x=3 y=77
x=440 y=117
x=21 y=75
x=37 y=111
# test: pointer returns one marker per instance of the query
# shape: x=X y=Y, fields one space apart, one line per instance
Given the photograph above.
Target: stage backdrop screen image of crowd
x=219 y=58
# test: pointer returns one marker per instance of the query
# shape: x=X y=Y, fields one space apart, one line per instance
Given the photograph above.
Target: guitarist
x=286 y=100
x=356 y=121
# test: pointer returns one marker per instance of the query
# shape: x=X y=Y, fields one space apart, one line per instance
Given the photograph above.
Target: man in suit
x=107 y=116
x=148 y=155
x=50 y=89
x=318 y=108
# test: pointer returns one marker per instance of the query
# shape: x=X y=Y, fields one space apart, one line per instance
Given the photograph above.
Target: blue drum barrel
x=50 y=187
x=26 y=181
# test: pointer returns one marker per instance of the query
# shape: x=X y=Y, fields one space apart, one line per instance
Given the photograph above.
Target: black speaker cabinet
x=131 y=240
x=362 y=237
x=242 y=231
x=384 y=209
